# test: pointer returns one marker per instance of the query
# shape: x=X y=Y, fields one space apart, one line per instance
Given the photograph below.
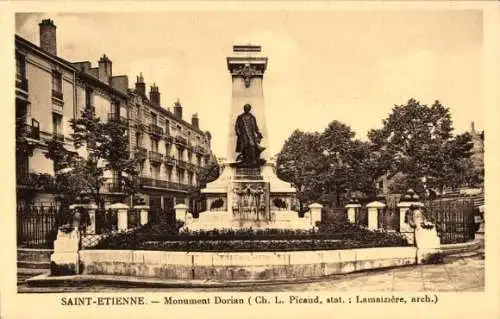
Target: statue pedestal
x=243 y=198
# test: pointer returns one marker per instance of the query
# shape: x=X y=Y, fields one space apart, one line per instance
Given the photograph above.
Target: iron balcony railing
x=30 y=131
x=169 y=160
x=182 y=164
x=199 y=149
x=158 y=183
x=117 y=118
x=155 y=130
x=155 y=157
x=22 y=84
x=181 y=140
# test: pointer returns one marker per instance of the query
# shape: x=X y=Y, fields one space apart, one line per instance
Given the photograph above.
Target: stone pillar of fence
x=91 y=211
x=352 y=209
x=181 y=211
x=65 y=259
x=121 y=215
x=143 y=213
x=374 y=210
x=315 y=211
x=410 y=199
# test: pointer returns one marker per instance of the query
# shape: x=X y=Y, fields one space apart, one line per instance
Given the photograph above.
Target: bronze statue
x=248 y=140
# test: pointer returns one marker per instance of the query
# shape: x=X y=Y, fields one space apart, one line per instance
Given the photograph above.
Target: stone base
x=64 y=264
x=211 y=220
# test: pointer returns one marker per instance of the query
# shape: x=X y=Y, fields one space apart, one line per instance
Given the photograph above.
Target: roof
x=67 y=64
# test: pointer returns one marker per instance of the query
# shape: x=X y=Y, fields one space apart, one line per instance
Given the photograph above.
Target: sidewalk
x=456 y=274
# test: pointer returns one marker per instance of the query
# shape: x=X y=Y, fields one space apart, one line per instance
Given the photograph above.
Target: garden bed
x=331 y=236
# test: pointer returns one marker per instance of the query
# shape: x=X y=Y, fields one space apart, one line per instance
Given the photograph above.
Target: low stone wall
x=241 y=265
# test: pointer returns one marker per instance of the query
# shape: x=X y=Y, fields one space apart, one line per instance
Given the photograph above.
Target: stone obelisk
x=247 y=66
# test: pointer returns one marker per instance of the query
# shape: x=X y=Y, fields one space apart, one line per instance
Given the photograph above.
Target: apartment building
x=173 y=151
x=50 y=91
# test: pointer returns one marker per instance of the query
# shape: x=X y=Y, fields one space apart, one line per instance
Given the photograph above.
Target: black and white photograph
x=209 y=155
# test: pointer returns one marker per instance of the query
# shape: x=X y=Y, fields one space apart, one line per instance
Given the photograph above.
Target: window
x=20 y=67
x=57 y=85
x=154 y=118
x=381 y=184
x=88 y=98
x=138 y=139
x=154 y=145
x=57 y=127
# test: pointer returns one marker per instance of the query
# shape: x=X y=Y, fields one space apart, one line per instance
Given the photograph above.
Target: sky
x=350 y=66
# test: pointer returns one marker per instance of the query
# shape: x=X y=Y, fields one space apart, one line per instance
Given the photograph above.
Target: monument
x=248 y=194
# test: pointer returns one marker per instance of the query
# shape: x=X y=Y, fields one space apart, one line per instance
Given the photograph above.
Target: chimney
x=472 y=128
x=195 y=122
x=140 y=86
x=48 y=41
x=178 y=109
x=154 y=95
x=105 y=69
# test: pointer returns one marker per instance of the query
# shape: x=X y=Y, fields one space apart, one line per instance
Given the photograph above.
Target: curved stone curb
x=451 y=249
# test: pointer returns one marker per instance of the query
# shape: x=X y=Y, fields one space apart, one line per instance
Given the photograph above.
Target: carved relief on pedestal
x=251 y=201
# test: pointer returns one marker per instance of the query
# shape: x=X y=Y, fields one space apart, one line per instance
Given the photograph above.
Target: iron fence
x=454 y=219
x=362 y=216
x=37 y=224
x=388 y=219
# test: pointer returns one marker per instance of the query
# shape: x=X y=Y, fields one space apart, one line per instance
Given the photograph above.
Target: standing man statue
x=248 y=139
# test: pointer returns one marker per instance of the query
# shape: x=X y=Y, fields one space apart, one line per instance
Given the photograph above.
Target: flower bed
x=330 y=236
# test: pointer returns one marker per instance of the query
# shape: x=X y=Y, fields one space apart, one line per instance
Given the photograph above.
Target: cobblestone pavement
x=455 y=274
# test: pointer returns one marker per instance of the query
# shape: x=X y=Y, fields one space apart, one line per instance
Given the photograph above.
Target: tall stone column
x=247 y=66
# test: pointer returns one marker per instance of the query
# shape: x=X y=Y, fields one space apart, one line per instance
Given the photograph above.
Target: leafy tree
x=417 y=144
x=99 y=147
x=297 y=163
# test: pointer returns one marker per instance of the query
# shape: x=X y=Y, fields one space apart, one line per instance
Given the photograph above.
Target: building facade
x=173 y=151
x=50 y=91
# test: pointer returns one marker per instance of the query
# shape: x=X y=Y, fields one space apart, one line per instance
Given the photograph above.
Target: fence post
x=315 y=210
x=352 y=209
x=181 y=211
x=65 y=259
x=409 y=200
x=143 y=213
x=374 y=209
x=121 y=215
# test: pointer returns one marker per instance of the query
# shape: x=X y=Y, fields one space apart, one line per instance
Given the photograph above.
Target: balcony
x=58 y=137
x=114 y=187
x=199 y=149
x=140 y=152
x=155 y=130
x=181 y=140
x=158 y=183
x=30 y=131
x=169 y=160
x=57 y=94
x=182 y=164
x=114 y=117
x=169 y=139
x=155 y=157
x=22 y=84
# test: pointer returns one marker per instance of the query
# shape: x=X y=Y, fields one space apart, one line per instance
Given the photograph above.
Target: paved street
x=456 y=274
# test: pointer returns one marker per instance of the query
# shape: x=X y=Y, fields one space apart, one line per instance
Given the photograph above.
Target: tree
x=417 y=144
x=100 y=147
x=327 y=167
x=297 y=163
